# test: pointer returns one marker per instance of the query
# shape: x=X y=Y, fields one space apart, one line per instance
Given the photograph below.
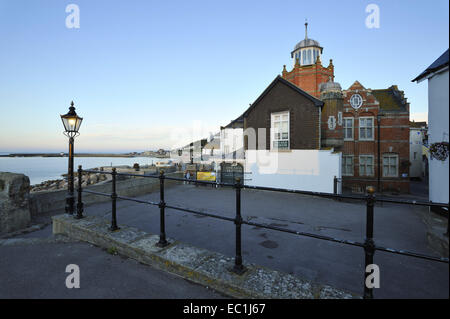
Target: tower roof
x=307 y=42
x=330 y=86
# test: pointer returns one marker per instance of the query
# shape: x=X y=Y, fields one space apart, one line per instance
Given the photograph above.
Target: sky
x=155 y=74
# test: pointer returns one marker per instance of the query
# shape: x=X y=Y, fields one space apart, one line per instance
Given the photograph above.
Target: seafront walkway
x=396 y=226
x=33 y=266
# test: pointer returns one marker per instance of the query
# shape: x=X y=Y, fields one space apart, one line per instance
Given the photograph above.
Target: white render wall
x=415 y=146
x=438 y=118
x=232 y=140
x=307 y=170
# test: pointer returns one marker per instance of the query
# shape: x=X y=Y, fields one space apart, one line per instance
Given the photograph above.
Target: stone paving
x=341 y=266
x=33 y=266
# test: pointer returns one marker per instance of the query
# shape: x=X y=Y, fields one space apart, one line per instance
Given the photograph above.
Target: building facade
x=370 y=127
x=376 y=139
x=418 y=141
x=438 y=126
x=282 y=141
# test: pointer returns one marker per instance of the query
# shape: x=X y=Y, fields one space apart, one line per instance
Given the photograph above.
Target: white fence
x=308 y=170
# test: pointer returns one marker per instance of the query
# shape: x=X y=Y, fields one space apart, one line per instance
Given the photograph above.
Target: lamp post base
x=70 y=205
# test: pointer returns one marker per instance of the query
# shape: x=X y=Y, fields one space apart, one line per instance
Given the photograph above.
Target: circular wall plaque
x=356 y=101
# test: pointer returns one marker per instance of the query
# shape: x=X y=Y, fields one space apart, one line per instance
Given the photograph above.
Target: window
x=348 y=128
x=309 y=57
x=365 y=165
x=279 y=130
x=415 y=155
x=390 y=165
x=366 y=128
x=347 y=165
x=299 y=56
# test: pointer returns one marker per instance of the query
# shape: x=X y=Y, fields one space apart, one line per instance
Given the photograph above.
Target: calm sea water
x=40 y=169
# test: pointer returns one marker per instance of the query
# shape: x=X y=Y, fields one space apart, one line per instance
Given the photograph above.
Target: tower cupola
x=306 y=51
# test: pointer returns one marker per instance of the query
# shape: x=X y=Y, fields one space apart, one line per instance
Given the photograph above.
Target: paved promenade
x=37 y=270
x=341 y=266
x=33 y=266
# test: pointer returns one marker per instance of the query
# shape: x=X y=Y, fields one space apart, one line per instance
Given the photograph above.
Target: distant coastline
x=129 y=155
x=41 y=168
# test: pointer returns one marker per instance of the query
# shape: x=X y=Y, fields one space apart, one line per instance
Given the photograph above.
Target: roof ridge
x=315 y=100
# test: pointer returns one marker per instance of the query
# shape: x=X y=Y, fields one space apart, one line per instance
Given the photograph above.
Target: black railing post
x=335 y=185
x=114 y=200
x=238 y=267
x=80 y=190
x=162 y=205
x=446 y=234
x=369 y=245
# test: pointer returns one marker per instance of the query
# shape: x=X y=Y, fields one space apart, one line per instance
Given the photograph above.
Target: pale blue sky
x=143 y=74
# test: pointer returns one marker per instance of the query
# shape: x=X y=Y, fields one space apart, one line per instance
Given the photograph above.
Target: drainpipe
x=320 y=127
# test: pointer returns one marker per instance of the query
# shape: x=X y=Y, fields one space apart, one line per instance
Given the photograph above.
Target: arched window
x=299 y=56
x=309 y=56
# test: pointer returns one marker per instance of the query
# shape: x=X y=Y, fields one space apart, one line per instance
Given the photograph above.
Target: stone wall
x=49 y=201
x=14 y=206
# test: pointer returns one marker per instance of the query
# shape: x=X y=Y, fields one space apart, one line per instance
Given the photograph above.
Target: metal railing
x=368 y=245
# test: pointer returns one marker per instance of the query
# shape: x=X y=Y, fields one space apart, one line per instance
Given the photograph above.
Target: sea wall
x=49 y=201
x=14 y=204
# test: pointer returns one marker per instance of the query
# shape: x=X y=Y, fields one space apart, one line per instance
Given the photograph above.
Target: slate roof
x=417 y=124
x=315 y=100
x=440 y=63
x=390 y=100
x=239 y=122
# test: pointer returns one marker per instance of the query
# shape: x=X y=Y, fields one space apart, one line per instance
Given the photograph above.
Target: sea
x=40 y=169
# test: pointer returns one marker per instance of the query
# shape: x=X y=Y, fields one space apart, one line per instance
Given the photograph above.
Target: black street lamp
x=72 y=124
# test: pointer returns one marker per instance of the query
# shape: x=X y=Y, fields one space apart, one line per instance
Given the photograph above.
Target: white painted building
x=232 y=141
x=438 y=124
x=417 y=136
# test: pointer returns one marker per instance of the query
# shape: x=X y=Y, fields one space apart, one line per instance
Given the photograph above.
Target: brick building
x=369 y=127
x=376 y=139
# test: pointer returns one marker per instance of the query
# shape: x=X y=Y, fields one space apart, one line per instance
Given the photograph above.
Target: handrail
x=368 y=245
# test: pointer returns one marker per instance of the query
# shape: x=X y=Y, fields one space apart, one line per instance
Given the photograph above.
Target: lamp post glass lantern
x=72 y=123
